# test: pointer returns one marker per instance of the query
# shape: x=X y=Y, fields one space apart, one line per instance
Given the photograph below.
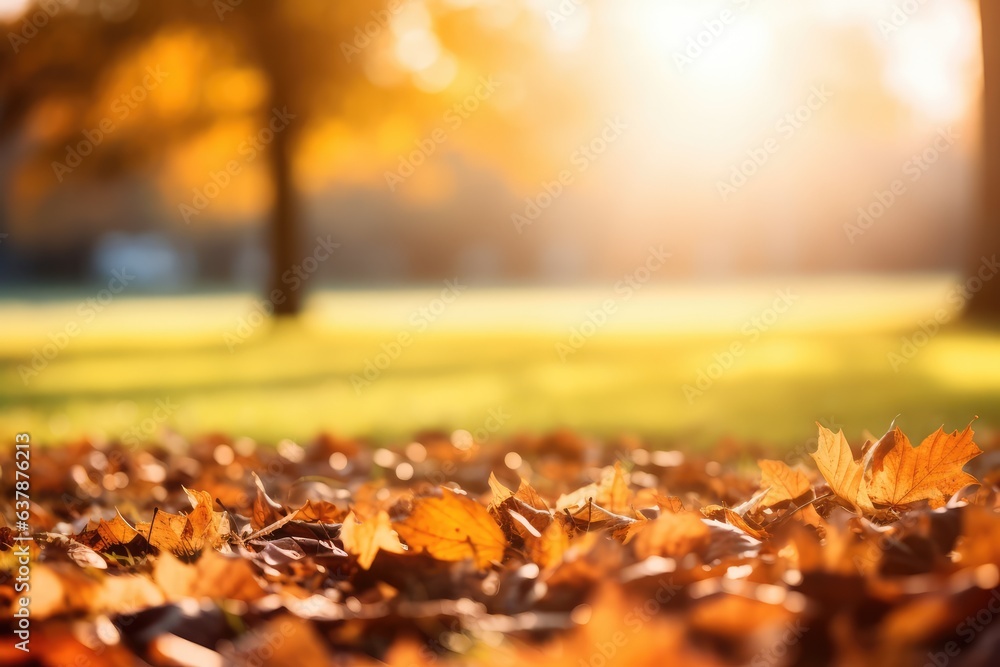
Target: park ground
x=683 y=365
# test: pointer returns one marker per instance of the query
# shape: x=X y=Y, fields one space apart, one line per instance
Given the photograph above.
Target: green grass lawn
x=144 y=364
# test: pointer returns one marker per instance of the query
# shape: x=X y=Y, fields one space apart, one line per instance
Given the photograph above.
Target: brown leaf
x=527 y=495
x=671 y=504
x=726 y=515
x=265 y=510
x=186 y=536
x=116 y=538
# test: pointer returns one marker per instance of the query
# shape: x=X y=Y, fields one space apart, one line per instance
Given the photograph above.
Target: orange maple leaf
x=453 y=527
x=905 y=474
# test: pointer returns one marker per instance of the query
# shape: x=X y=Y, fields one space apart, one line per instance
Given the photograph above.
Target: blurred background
x=683 y=219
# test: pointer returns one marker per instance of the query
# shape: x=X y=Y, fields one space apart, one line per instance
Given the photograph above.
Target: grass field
x=144 y=364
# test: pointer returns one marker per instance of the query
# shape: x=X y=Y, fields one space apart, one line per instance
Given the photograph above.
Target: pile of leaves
x=547 y=550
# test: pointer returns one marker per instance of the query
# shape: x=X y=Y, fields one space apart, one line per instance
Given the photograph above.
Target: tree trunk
x=285 y=235
x=985 y=304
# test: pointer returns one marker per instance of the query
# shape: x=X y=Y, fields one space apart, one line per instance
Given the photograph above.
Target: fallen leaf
x=782 y=482
x=836 y=463
x=186 y=535
x=905 y=474
x=266 y=511
x=670 y=535
x=115 y=538
x=453 y=527
x=613 y=492
x=365 y=539
x=671 y=504
x=726 y=515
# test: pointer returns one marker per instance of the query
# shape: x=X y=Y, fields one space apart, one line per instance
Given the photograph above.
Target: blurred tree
x=63 y=57
x=985 y=304
x=311 y=53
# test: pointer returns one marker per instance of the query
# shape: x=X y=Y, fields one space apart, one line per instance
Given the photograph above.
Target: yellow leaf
x=548 y=548
x=365 y=539
x=783 y=483
x=837 y=465
x=500 y=492
x=906 y=474
x=613 y=493
x=453 y=527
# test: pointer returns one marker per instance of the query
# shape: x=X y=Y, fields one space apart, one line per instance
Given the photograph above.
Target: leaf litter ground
x=552 y=550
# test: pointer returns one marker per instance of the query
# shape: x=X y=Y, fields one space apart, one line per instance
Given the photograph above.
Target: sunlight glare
x=12 y=8
x=923 y=60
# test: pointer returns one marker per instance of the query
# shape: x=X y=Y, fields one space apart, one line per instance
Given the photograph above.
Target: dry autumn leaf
x=905 y=474
x=836 y=463
x=547 y=548
x=187 y=535
x=613 y=493
x=453 y=527
x=365 y=539
x=670 y=535
x=782 y=482
x=116 y=538
x=765 y=554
